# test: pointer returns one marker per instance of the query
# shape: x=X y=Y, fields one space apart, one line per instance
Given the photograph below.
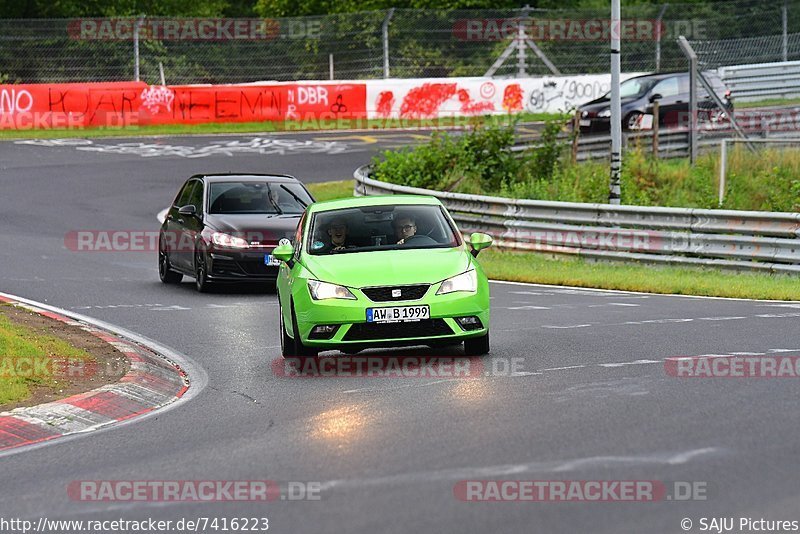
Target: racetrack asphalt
x=593 y=400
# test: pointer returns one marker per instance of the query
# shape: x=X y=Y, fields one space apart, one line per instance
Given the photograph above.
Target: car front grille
x=384 y=294
x=417 y=329
x=227 y=267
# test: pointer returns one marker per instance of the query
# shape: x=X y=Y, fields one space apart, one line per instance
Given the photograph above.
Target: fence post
x=614 y=193
x=723 y=164
x=656 y=107
x=576 y=134
x=330 y=65
x=136 y=27
x=385 y=35
x=658 y=36
x=692 y=57
x=785 y=17
x=522 y=56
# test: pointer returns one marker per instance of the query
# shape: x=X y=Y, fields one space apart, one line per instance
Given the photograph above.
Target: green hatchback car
x=382 y=271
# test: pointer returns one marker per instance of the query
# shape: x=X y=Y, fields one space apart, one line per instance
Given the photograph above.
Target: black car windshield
x=635 y=87
x=269 y=198
x=369 y=228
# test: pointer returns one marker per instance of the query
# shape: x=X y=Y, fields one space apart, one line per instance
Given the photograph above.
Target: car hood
x=263 y=228
x=390 y=267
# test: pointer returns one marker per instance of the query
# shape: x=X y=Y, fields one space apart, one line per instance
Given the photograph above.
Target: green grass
x=17 y=341
x=767 y=102
x=542 y=269
x=331 y=190
x=545 y=269
x=274 y=126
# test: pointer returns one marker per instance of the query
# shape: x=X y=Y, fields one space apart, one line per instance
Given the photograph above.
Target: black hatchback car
x=638 y=94
x=222 y=227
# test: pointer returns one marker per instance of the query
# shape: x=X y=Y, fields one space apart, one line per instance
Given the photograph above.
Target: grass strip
x=323 y=125
x=30 y=359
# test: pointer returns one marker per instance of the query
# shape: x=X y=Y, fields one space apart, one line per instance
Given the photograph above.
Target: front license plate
x=586 y=122
x=398 y=314
x=271 y=260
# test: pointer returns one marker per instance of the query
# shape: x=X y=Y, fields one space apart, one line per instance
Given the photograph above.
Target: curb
x=152 y=382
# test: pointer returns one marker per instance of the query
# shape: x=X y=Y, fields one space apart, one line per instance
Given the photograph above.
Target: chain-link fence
x=398 y=43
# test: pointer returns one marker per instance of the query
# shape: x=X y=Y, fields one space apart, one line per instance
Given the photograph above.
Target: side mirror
x=479 y=241
x=655 y=96
x=188 y=209
x=284 y=252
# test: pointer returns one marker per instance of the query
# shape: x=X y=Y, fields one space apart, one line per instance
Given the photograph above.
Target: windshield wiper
x=298 y=199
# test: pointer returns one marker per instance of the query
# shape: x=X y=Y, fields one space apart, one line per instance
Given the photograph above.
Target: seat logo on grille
x=396 y=293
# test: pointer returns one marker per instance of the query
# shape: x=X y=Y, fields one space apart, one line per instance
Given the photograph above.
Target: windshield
x=632 y=88
x=369 y=228
x=269 y=198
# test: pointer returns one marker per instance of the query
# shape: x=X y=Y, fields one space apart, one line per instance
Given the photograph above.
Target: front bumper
x=229 y=265
x=354 y=332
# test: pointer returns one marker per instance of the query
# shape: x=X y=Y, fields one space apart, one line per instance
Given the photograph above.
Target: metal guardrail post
x=576 y=135
x=656 y=112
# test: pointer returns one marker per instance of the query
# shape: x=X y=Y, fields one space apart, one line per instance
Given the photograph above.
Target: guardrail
x=763 y=80
x=738 y=240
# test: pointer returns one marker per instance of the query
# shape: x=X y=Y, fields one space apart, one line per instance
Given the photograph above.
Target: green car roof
x=380 y=200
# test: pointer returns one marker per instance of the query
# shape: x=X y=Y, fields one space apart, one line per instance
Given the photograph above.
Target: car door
x=192 y=224
x=186 y=226
x=174 y=225
x=286 y=274
x=671 y=101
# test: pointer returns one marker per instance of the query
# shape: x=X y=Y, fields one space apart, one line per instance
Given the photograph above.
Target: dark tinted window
x=269 y=198
x=196 y=195
x=183 y=196
x=369 y=228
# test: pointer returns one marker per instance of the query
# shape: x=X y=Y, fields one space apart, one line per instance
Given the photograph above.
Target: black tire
x=293 y=347
x=201 y=281
x=165 y=272
x=477 y=346
x=287 y=343
x=631 y=120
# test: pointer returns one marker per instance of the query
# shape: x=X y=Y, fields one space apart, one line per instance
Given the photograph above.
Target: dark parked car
x=222 y=227
x=638 y=94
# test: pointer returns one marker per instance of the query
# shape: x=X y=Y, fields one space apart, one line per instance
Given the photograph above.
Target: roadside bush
x=479 y=162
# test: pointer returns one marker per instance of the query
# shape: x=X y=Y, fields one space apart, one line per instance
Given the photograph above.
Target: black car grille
x=417 y=329
x=257 y=268
x=384 y=294
x=229 y=267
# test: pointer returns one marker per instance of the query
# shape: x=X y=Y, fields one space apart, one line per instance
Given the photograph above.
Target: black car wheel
x=201 y=272
x=300 y=351
x=477 y=346
x=165 y=272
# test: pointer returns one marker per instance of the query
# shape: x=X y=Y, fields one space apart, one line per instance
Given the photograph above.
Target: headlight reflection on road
x=469 y=391
x=340 y=425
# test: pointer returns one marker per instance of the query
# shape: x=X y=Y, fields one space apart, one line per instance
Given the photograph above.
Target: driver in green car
x=404 y=228
x=337 y=231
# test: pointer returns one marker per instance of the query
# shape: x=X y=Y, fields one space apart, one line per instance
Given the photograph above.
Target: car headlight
x=324 y=290
x=467 y=281
x=604 y=114
x=228 y=241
